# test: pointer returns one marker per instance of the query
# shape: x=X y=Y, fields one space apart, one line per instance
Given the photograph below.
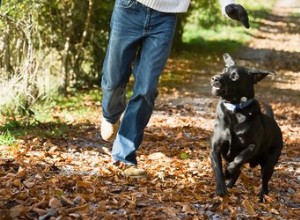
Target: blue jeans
x=140 y=43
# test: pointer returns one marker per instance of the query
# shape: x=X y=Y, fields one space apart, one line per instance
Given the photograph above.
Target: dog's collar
x=234 y=107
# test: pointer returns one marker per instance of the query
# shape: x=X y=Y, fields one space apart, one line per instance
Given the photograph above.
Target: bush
x=49 y=46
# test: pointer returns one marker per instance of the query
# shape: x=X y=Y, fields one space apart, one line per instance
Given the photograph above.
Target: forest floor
x=69 y=176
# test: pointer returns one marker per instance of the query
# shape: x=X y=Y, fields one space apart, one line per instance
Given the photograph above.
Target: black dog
x=242 y=133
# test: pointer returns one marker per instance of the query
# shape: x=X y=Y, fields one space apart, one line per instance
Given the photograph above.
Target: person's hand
x=237 y=12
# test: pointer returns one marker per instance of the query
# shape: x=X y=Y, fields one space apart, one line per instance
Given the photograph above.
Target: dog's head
x=236 y=84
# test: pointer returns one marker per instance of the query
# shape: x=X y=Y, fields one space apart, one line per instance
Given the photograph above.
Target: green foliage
x=49 y=46
x=205 y=13
x=11 y=125
x=13 y=130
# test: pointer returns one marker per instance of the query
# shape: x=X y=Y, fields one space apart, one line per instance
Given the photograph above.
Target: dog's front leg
x=233 y=168
x=217 y=167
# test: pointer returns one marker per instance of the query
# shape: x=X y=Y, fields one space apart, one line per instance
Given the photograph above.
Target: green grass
x=53 y=118
x=7 y=138
x=75 y=103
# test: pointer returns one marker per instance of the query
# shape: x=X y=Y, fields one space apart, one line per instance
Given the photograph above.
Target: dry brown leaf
x=16 y=211
x=224 y=202
x=78 y=208
x=170 y=211
x=296 y=212
x=274 y=211
x=21 y=172
x=186 y=208
x=157 y=156
x=85 y=184
x=17 y=183
x=131 y=204
x=79 y=200
x=54 y=203
x=296 y=197
x=233 y=212
x=29 y=183
x=65 y=201
x=248 y=206
x=269 y=199
x=40 y=211
x=53 y=150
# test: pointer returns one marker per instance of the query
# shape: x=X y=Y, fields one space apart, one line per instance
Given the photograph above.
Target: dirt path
x=276 y=46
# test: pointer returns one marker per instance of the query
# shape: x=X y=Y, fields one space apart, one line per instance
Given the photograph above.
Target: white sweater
x=175 y=6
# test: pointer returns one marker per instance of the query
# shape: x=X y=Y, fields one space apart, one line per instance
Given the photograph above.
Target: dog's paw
x=231 y=183
x=221 y=190
x=264 y=191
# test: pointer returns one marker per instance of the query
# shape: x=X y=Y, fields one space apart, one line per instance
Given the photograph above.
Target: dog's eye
x=234 y=76
x=225 y=70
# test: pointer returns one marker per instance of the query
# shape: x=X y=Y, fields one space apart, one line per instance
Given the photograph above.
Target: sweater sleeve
x=170 y=6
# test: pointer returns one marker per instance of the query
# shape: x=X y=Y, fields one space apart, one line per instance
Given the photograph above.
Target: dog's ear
x=228 y=60
x=258 y=75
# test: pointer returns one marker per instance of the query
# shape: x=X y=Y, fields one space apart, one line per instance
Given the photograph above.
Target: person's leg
x=124 y=38
x=154 y=51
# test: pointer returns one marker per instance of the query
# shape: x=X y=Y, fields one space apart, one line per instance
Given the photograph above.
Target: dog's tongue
x=214 y=90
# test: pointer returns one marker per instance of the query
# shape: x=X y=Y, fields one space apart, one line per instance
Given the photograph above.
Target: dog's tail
x=267 y=109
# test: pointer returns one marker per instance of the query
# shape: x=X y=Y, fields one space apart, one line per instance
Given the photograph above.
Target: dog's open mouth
x=216 y=90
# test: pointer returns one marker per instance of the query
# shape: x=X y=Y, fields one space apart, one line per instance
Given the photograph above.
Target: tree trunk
x=178 y=43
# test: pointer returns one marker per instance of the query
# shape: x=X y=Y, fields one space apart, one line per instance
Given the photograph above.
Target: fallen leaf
x=17 y=183
x=186 y=208
x=29 y=183
x=16 y=211
x=156 y=156
x=274 y=211
x=65 y=201
x=170 y=211
x=76 y=209
x=248 y=206
x=184 y=156
x=50 y=213
x=39 y=211
x=54 y=203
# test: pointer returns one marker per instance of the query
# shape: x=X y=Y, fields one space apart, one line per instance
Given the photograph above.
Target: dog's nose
x=215 y=79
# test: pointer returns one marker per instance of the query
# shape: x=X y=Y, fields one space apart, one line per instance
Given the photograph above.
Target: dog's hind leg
x=267 y=170
x=266 y=109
